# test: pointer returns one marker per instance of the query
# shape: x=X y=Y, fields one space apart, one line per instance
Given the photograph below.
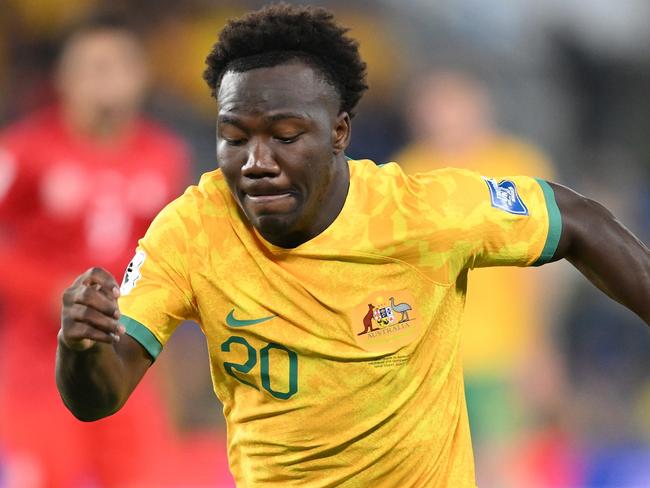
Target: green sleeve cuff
x=554 y=224
x=143 y=335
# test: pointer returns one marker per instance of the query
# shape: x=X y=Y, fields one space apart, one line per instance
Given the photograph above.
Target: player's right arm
x=97 y=364
x=105 y=349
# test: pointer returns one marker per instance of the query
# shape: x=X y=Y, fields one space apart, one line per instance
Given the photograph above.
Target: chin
x=278 y=229
x=273 y=224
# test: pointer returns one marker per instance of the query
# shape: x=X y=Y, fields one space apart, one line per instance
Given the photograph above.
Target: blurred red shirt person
x=79 y=184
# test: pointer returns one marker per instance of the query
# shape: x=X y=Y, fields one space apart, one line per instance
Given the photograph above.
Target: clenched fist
x=90 y=312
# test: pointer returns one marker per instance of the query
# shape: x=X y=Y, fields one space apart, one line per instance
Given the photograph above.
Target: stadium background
x=571 y=77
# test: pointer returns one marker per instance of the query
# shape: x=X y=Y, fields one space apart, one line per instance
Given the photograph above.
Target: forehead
x=293 y=86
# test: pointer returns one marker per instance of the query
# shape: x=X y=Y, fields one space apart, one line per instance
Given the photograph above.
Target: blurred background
x=102 y=123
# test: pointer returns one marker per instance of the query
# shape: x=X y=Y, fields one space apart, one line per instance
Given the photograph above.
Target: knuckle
x=81 y=294
x=86 y=293
x=71 y=292
x=95 y=271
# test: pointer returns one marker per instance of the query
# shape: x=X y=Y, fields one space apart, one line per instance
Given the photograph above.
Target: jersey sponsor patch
x=504 y=196
x=132 y=274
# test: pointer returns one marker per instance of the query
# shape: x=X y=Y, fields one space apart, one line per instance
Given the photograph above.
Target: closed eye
x=235 y=142
x=287 y=140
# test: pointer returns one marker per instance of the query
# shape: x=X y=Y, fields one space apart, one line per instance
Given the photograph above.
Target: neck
x=334 y=200
x=330 y=207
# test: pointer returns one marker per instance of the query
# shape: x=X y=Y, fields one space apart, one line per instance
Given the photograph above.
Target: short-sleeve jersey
x=337 y=362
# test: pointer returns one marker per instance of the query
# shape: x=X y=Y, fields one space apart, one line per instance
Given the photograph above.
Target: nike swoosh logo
x=233 y=322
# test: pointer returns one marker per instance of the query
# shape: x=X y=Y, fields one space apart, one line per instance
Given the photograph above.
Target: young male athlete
x=279 y=253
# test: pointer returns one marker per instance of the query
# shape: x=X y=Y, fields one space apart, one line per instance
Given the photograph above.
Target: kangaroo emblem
x=367 y=321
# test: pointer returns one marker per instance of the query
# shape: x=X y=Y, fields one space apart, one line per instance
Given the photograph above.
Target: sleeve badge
x=504 y=196
x=132 y=274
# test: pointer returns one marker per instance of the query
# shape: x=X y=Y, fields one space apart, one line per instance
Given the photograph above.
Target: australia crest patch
x=386 y=320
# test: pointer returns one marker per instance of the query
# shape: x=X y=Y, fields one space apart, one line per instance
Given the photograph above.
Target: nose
x=261 y=161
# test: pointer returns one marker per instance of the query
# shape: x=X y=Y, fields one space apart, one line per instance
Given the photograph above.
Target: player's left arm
x=603 y=250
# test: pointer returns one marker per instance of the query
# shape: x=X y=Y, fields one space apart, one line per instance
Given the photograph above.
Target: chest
x=267 y=319
x=336 y=295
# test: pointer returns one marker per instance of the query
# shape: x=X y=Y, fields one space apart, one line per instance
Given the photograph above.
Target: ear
x=341 y=133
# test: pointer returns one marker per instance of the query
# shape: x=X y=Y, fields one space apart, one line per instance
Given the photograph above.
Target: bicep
x=585 y=224
x=604 y=250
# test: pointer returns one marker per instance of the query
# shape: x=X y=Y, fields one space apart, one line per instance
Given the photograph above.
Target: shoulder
x=391 y=176
x=198 y=221
x=367 y=171
x=388 y=186
x=209 y=198
x=211 y=190
x=366 y=168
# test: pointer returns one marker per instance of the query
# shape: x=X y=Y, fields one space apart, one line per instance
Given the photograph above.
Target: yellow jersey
x=337 y=362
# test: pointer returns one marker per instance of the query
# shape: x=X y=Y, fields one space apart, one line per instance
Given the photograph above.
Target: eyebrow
x=285 y=115
x=232 y=120
x=228 y=119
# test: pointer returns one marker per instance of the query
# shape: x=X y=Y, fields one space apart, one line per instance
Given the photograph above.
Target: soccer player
x=282 y=252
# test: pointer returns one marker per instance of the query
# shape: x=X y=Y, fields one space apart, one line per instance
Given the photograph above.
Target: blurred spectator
x=80 y=182
x=505 y=319
x=378 y=127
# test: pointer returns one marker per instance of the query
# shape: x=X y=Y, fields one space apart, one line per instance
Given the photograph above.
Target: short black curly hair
x=280 y=33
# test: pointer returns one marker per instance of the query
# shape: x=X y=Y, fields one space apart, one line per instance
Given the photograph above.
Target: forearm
x=97 y=364
x=607 y=253
x=92 y=383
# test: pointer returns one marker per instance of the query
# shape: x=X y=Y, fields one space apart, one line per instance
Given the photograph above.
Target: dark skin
x=604 y=251
x=97 y=364
x=280 y=143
